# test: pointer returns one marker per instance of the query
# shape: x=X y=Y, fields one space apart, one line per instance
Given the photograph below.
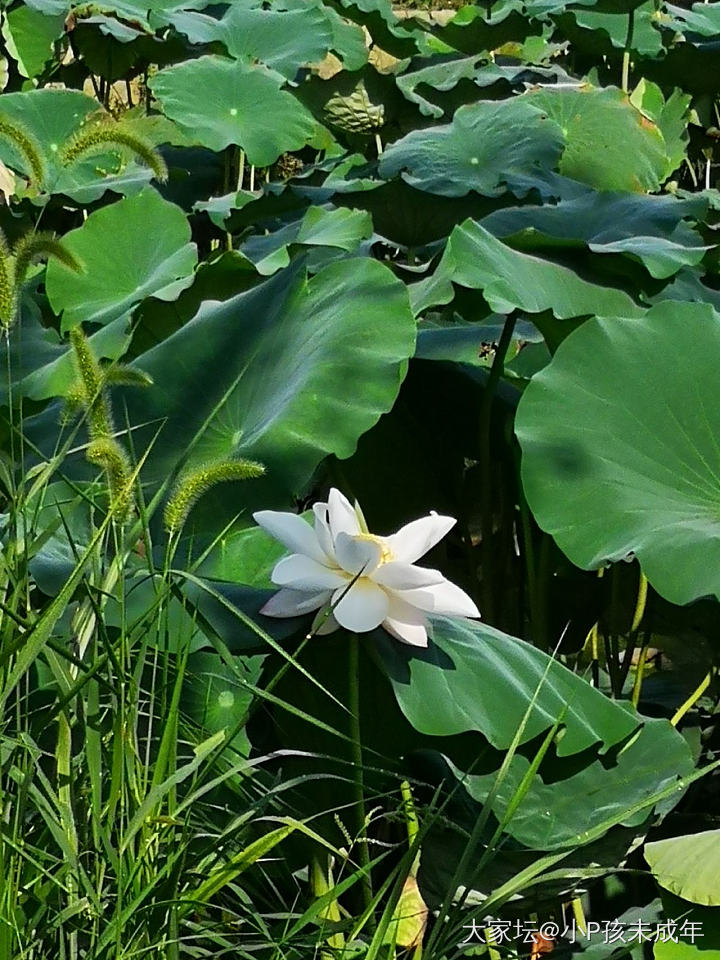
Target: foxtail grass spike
x=7 y=285
x=98 y=137
x=90 y=376
x=74 y=403
x=193 y=485
x=27 y=145
x=38 y=246
x=122 y=376
x=108 y=454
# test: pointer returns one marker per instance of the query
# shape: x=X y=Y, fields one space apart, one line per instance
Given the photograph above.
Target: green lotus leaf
x=220 y=208
x=225 y=611
x=464 y=342
x=30 y=37
x=286 y=373
x=52 y=116
x=48 y=7
x=164 y=622
x=216 y=697
x=475 y=28
x=490 y=147
x=220 y=102
x=557 y=812
x=59 y=523
x=511 y=280
x=620 y=447
x=125 y=20
x=695 y=931
x=650 y=229
x=444 y=75
x=701 y=19
x=606 y=31
x=41 y=361
x=672 y=117
x=610 y=144
x=329 y=227
x=123 y=262
x=477 y=678
x=389 y=32
x=246 y=556
x=688 y=866
x=285 y=36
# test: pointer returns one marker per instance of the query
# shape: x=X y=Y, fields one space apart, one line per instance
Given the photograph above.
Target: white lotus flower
x=369 y=581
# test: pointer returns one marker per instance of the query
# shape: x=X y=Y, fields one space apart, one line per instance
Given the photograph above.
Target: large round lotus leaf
x=30 y=37
x=601 y=29
x=40 y=360
x=326 y=226
x=472 y=677
x=285 y=37
x=286 y=373
x=702 y=20
x=131 y=18
x=476 y=27
x=610 y=144
x=427 y=83
x=688 y=866
x=557 y=811
x=489 y=147
x=220 y=101
x=52 y=116
x=512 y=280
x=164 y=622
x=620 y=446
x=217 y=697
x=246 y=556
x=123 y=261
x=390 y=33
x=696 y=934
x=672 y=117
x=59 y=529
x=649 y=228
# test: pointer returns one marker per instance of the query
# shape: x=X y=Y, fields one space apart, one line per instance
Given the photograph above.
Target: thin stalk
x=640 y=604
x=612 y=644
x=96 y=88
x=639 y=672
x=638 y=615
x=241 y=168
x=693 y=698
x=626 y=51
x=579 y=914
x=357 y=761
x=486 y=500
x=528 y=550
x=540 y=637
x=227 y=165
x=63 y=760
